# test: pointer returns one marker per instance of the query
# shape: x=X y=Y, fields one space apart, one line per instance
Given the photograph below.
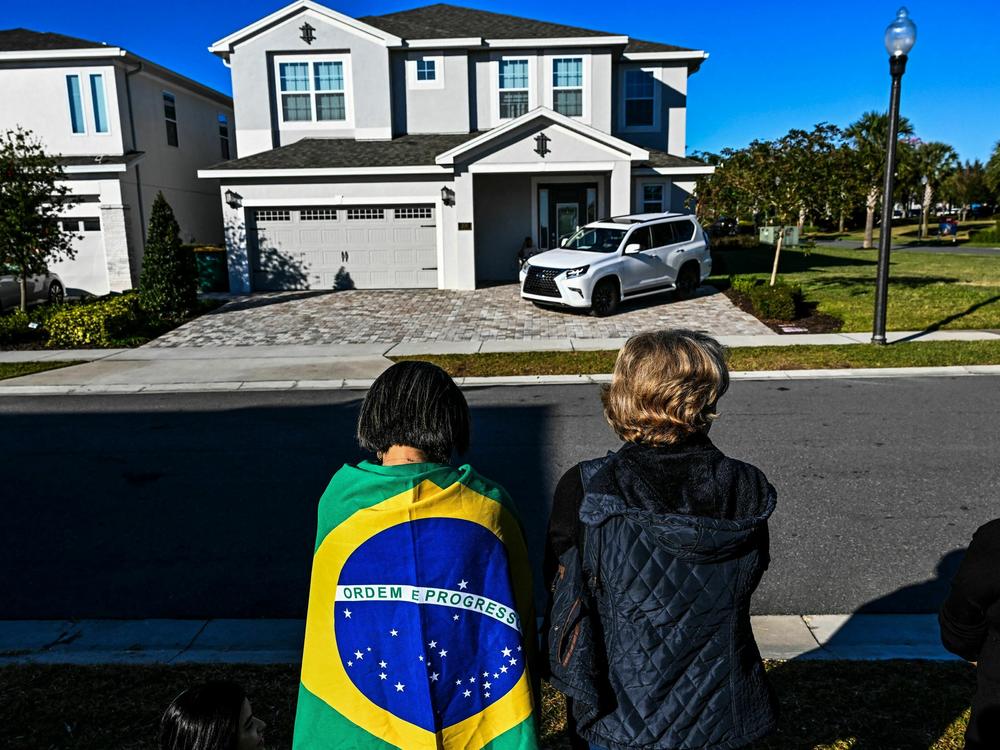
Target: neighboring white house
x=124 y=129
x=421 y=148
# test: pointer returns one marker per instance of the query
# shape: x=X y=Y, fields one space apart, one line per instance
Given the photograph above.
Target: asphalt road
x=203 y=505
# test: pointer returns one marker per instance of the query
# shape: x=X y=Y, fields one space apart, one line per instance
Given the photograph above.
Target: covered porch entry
x=532 y=182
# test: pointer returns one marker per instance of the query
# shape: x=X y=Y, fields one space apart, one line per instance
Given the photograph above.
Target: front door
x=567 y=219
x=562 y=207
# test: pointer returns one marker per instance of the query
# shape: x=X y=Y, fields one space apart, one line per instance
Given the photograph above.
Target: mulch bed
x=809 y=318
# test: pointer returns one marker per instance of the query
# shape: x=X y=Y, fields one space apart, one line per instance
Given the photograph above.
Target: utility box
x=769 y=235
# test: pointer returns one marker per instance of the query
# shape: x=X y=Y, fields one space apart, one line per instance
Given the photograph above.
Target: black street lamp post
x=899 y=39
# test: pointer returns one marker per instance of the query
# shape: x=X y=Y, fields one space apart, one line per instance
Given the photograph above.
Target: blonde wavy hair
x=665 y=386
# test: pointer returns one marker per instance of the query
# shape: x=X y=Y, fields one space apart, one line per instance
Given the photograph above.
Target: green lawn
x=800 y=357
x=908 y=231
x=824 y=705
x=926 y=290
x=17 y=369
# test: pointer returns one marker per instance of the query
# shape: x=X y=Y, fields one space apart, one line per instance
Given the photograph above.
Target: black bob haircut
x=415 y=404
x=203 y=717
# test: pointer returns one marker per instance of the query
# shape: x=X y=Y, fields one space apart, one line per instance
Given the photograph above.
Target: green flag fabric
x=420 y=631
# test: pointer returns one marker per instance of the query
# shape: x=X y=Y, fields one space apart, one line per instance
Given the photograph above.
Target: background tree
x=936 y=161
x=31 y=198
x=993 y=174
x=804 y=161
x=869 y=135
x=966 y=186
x=169 y=278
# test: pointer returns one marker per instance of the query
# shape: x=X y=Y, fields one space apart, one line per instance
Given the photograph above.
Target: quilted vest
x=673 y=598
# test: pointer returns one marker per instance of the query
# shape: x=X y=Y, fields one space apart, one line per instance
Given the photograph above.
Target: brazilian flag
x=420 y=627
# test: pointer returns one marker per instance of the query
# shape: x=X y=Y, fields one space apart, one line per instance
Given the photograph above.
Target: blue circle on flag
x=428 y=629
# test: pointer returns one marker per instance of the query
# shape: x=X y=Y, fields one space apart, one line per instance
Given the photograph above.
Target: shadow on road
x=204 y=513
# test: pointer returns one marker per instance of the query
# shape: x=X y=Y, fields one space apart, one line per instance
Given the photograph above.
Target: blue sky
x=773 y=65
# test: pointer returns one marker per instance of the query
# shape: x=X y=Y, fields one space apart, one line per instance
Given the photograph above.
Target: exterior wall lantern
x=447 y=196
x=233 y=200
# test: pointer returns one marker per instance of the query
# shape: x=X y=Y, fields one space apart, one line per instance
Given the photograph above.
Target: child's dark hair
x=415 y=404
x=203 y=717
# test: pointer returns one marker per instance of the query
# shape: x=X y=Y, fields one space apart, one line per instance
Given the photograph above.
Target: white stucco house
x=124 y=128
x=421 y=148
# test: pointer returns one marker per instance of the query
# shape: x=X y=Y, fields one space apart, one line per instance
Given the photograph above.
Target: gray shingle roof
x=98 y=159
x=20 y=40
x=338 y=153
x=404 y=151
x=443 y=21
x=659 y=158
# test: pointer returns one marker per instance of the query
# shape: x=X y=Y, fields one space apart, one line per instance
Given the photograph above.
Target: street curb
x=781 y=637
x=473 y=382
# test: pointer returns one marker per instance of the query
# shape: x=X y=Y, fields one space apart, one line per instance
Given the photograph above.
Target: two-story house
x=124 y=129
x=422 y=148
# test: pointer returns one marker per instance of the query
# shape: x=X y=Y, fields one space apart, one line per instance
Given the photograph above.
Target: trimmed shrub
x=169 y=279
x=987 y=235
x=743 y=283
x=14 y=329
x=776 y=302
x=102 y=323
x=735 y=242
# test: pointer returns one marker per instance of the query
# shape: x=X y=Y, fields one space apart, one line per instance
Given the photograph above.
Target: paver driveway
x=413 y=315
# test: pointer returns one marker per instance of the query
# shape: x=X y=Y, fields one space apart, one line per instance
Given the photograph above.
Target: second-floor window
x=513 y=88
x=426 y=69
x=98 y=103
x=567 y=86
x=639 y=96
x=75 y=104
x=170 y=117
x=224 y=136
x=312 y=91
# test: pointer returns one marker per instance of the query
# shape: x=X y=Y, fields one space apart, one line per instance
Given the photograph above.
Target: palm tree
x=936 y=161
x=869 y=134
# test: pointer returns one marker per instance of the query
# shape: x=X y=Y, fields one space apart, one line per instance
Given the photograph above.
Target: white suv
x=622 y=258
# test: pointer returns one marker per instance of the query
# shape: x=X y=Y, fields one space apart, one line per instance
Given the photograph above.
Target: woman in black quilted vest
x=654 y=552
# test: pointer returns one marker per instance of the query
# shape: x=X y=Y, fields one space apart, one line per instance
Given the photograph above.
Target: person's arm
x=975 y=588
x=564 y=522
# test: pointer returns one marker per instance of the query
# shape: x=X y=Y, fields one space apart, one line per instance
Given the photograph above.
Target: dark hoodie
x=680 y=534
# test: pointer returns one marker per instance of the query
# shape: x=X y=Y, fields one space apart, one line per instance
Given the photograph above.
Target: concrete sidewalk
x=331 y=366
x=782 y=637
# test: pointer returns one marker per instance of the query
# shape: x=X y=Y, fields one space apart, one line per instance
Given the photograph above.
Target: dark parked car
x=723 y=227
x=41 y=288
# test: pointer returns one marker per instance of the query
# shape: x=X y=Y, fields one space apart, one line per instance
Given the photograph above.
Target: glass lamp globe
x=900 y=34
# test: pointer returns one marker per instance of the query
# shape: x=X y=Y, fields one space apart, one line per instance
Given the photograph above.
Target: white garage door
x=364 y=247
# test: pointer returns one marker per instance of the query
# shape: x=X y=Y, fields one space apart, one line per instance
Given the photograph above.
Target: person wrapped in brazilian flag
x=420 y=632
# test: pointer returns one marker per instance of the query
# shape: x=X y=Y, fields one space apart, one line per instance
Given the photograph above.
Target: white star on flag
x=486 y=695
x=434 y=676
x=506 y=653
x=350 y=663
x=383 y=664
x=433 y=644
x=513 y=662
x=472 y=679
x=382 y=676
x=504 y=669
x=495 y=675
x=455 y=617
x=421 y=657
x=369 y=648
x=463 y=584
x=358 y=655
x=487 y=685
x=393 y=632
x=458 y=682
x=518 y=648
x=467 y=693
x=486 y=674
x=399 y=687
x=347 y=614
x=442 y=653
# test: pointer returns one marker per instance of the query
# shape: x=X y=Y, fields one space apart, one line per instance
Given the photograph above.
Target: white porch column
x=621 y=188
x=237 y=256
x=462 y=263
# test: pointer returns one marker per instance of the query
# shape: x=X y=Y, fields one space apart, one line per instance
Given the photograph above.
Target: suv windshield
x=595 y=239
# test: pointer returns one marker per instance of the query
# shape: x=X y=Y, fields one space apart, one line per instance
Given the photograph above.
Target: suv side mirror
x=563 y=241
x=632 y=247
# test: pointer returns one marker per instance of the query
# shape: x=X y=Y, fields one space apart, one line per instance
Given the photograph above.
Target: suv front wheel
x=604 y=298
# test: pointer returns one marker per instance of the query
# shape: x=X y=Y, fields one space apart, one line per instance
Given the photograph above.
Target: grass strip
x=824 y=705
x=754 y=358
x=17 y=369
